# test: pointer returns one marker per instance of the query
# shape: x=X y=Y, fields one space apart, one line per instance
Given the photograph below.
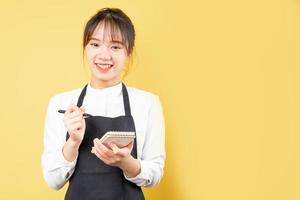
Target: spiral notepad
x=120 y=138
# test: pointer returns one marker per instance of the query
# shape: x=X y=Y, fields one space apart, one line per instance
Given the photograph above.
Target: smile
x=103 y=67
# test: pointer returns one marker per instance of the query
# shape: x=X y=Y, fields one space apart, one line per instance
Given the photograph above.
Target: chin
x=105 y=78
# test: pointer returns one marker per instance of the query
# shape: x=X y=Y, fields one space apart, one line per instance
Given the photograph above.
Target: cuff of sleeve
x=69 y=165
x=141 y=179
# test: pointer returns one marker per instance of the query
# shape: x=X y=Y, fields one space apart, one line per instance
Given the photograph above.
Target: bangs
x=112 y=29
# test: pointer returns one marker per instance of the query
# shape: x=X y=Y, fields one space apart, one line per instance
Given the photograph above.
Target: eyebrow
x=113 y=41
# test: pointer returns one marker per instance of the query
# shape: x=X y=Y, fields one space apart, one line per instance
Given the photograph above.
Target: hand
x=111 y=154
x=75 y=123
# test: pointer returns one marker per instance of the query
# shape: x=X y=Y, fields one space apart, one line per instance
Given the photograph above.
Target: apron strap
x=81 y=97
x=126 y=100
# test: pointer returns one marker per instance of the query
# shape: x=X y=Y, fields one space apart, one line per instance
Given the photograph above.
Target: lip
x=103 y=70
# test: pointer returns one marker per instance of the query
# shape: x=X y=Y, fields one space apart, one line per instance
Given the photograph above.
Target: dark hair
x=117 y=22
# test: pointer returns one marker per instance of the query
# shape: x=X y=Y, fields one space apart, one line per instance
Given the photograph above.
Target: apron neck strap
x=81 y=97
x=125 y=99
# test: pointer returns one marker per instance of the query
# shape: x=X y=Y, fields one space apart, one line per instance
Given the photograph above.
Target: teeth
x=103 y=66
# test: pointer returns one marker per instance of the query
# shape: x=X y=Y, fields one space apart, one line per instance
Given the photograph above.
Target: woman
x=72 y=148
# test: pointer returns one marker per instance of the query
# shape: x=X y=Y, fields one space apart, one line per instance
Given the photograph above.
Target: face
x=106 y=58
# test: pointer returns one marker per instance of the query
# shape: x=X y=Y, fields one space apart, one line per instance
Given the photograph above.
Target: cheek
x=120 y=60
x=120 y=64
x=89 y=56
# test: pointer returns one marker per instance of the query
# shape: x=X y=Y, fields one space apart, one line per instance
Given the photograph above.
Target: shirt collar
x=108 y=91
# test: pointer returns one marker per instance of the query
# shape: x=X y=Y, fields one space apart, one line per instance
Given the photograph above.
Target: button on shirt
x=149 y=123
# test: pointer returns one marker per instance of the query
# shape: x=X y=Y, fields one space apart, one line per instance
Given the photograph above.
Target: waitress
x=72 y=150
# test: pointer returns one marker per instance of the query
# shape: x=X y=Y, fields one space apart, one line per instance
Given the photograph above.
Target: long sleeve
x=153 y=152
x=56 y=169
x=150 y=129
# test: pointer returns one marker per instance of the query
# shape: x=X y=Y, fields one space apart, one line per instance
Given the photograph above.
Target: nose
x=103 y=53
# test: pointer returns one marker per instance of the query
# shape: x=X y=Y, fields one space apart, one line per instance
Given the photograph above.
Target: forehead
x=106 y=31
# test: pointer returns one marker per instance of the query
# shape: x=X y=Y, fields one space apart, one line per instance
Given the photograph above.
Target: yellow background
x=227 y=73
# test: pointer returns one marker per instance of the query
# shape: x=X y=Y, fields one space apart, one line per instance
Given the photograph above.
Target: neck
x=100 y=84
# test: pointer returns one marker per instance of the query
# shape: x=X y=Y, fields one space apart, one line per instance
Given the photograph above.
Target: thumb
x=72 y=107
x=114 y=148
x=82 y=109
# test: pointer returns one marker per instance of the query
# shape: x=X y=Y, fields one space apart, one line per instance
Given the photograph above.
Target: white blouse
x=149 y=123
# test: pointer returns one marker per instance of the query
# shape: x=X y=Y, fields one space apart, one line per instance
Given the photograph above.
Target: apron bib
x=92 y=178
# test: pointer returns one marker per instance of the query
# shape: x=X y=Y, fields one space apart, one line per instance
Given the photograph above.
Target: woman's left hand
x=111 y=154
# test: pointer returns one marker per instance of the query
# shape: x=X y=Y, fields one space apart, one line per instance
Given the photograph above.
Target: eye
x=115 y=47
x=94 y=44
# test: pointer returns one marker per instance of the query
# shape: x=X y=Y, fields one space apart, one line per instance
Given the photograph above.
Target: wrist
x=75 y=143
x=70 y=149
x=125 y=162
x=130 y=166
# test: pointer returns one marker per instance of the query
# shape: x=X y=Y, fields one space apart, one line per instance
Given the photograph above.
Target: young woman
x=73 y=151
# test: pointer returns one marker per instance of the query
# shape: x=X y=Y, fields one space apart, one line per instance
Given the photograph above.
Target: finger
x=126 y=150
x=102 y=154
x=101 y=147
x=114 y=148
x=82 y=108
x=83 y=111
x=75 y=120
x=73 y=114
x=98 y=155
x=72 y=107
x=76 y=126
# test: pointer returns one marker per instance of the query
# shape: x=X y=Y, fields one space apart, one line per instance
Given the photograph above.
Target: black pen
x=84 y=114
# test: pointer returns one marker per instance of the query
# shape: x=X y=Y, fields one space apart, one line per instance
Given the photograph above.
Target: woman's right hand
x=75 y=123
